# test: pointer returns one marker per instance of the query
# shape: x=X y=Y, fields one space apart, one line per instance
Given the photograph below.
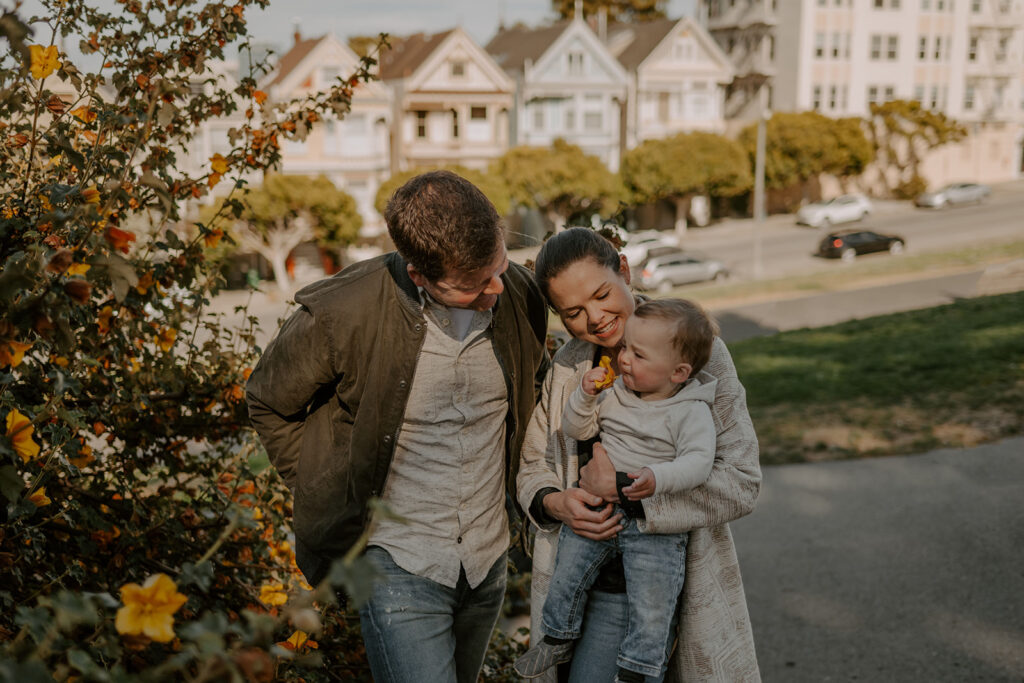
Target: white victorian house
x=353 y=151
x=677 y=78
x=451 y=101
x=568 y=85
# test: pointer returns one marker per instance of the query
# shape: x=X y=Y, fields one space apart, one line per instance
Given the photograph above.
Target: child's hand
x=592 y=379
x=642 y=486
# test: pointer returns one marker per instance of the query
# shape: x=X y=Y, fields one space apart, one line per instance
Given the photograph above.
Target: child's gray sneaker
x=542 y=657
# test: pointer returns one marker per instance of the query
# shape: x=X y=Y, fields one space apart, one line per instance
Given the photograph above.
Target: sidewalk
x=891 y=569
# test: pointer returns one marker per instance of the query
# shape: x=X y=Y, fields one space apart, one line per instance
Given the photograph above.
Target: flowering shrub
x=144 y=535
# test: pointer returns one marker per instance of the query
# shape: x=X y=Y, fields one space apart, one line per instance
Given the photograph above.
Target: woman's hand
x=598 y=476
x=570 y=506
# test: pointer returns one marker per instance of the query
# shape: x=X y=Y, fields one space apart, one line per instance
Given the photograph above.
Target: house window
x=892 y=47
x=593 y=121
x=771 y=48
x=872 y=94
x=846 y=46
x=926 y=4
x=833 y=97
x=975 y=8
x=570 y=119
x=919 y=93
x=972 y=49
x=935 y=97
x=836 y=45
x=819 y=44
x=455 y=125
x=938 y=48
x=890 y=93
x=575 y=63
x=969 y=98
x=922 y=48
x=1001 y=49
x=458 y=69
x=876 y=47
x=538 y=116
x=421 y=125
x=478 y=113
x=816 y=97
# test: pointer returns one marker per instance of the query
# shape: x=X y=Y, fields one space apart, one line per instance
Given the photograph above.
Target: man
x=411 y=377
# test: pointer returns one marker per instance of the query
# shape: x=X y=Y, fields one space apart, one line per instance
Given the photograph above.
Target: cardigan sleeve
x=536 y=458
x=731 y=489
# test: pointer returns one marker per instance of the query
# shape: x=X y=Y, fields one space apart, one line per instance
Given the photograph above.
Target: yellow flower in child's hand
x=39 y=498
x=149 y=609
x=609 y=377
x=45 y=60
x=19 y=431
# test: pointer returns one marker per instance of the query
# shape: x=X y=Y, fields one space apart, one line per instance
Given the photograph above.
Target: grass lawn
x=902 y=383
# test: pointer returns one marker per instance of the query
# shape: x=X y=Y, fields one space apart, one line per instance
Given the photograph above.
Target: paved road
x=891 y=569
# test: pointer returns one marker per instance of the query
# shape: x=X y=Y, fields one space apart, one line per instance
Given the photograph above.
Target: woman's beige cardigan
x=715 y=640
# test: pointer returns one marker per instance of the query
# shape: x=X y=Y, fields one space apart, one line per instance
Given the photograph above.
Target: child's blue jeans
x=655 y=567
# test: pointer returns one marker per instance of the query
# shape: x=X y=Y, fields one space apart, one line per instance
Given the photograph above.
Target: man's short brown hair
x=441 y=221
x=694 y=329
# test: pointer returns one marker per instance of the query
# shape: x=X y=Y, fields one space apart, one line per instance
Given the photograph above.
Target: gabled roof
x=406 y=54
x=647 y=35
x=293 y=58
x=511 y=47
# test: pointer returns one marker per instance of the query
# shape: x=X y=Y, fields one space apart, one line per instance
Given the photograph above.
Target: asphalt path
x=892 y=569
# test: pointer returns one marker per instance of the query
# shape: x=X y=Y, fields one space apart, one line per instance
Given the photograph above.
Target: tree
x=144 y=535
x=803 y=145
x=492 y=186
x=902 y=132
x=561 y=181
x=684 y=165
x=288 y=210
x=618 y=10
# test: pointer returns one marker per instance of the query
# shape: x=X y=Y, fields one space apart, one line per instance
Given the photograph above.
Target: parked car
x=639 y=244
x=676 y=267
x=957 y=193
x=843 y=209
x=848 y=244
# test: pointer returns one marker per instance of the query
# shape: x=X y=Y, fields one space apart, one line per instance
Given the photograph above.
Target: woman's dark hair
x=566 y=248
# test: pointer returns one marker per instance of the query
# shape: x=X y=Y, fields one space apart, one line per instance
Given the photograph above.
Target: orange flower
x=103 y=319
x=84 y=114
x=12 y=353
x=91 y=195
x=19 y=431
x=272 y=594
x=44 y=60
x=260 y=97
x=299 y=641
x=234 y=393
x=212 y=239
x=84 y=456
x=145 y=282
x=149 y=609
x=120 y=239
x=165 y=338
x=39 y=498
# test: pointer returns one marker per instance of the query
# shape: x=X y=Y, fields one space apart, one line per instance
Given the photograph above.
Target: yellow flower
x=19 y=431
x=77 y=269
x=12 y=352
x=299 y=641
x=39 y=497
x=84 y=114
x=165 y=339
x=149 y=609
x=84 y=456
x=91 y=195
x=45 y=60
x=273 y=594
x=219 y=164
x=212 y=239
x=145 y=282
x=103 y=319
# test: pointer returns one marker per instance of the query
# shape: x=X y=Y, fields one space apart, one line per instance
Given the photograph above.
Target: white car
x=845 y=208
x=639 y=244
x=957 y=193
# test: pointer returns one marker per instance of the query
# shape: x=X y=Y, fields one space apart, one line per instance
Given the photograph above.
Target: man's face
x=477 y=290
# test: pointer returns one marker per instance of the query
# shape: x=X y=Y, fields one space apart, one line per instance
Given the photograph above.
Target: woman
x=587 y=283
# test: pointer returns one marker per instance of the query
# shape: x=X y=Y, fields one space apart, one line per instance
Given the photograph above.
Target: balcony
x=751 y=14
x=755 y=63
x=996 y=14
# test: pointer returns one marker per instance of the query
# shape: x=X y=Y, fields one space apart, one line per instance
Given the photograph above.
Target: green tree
x=618 y=10
x=902 y=132
x=802 y=145
x=561 y=181
x=288 y=210
x=492 y=186
x=144 y=535
x=684 y=165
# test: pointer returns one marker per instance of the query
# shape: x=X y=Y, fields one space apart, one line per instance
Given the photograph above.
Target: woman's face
x=593 y=301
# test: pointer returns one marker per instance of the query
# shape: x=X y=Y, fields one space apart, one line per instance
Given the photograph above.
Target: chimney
x=297 y=33
x=602 y=24
x=577 y=10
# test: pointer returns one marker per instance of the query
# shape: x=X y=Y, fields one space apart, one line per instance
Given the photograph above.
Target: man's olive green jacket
x=328 y=396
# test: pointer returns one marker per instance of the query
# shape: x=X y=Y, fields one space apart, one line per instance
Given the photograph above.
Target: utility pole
x=759 y=199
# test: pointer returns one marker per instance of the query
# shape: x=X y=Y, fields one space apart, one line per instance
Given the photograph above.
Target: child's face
x=648 y=362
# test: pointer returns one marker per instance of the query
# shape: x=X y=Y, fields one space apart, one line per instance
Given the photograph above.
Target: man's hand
x=570 y=506
x=591 y=378
x=598 y=476
x=642 y=486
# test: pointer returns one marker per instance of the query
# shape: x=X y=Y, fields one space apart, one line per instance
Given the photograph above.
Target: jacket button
x=459 y=539
x=402 y=384
x=387 y=438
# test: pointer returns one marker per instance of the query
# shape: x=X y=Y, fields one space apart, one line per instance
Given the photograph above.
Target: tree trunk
x=680 y=225
x=275 y=244
x=557 y=219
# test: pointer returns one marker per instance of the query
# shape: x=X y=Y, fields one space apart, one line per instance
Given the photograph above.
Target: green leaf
x=122 y=274
x=11 y=483
x=356 y=579
x=199 y=575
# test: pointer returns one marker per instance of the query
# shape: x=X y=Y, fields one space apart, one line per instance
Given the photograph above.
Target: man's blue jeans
x=655 y=567
x=415 y=629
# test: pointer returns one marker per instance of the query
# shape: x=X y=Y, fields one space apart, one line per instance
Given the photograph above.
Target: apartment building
x=962 y=57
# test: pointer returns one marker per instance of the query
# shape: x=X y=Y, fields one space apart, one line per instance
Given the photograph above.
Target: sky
x=402 y=17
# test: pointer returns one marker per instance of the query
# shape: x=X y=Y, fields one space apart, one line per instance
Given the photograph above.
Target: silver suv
x=665 y=271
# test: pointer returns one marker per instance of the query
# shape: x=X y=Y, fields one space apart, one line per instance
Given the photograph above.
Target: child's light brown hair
x=694 y=329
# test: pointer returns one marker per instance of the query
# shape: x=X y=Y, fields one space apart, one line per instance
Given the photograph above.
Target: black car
x=848 y=244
